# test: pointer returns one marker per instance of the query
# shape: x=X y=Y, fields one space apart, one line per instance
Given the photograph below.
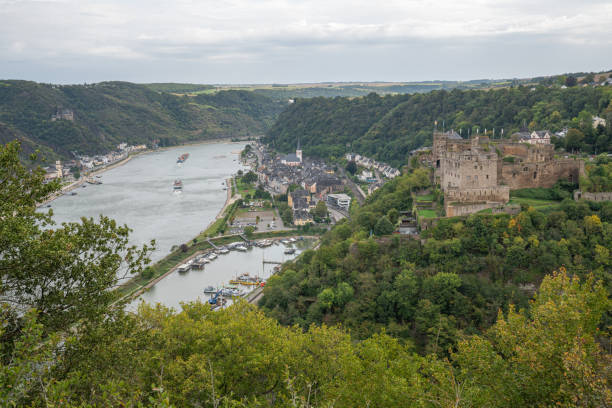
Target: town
x=306 y=182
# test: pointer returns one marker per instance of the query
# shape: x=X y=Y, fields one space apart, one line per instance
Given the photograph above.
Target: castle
x=478 y=173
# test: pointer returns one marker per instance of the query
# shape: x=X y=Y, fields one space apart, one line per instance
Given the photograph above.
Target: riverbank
x=168 y=265
x=96 y=172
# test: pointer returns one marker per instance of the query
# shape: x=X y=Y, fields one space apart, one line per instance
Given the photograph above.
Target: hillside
x=389 y=127
x=108 y=113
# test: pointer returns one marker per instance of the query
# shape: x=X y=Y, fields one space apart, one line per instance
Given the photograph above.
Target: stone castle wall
x=499 y=194
x=467 y=209
x=540 y=174
x=603 y=196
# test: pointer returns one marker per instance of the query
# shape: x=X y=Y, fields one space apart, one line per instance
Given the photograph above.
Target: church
x=293 y=159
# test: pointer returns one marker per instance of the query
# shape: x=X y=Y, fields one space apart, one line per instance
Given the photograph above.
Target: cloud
x=247 y=31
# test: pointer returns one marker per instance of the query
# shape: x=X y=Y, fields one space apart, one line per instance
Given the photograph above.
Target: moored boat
x=182 y=158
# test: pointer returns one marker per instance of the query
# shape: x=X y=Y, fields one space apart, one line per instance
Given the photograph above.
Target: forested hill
x=109 y=113
x=388 y=127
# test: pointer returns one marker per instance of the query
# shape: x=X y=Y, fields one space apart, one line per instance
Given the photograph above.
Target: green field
x=244 y=188
x=427 y=213
x=424 y=198
x=535 y=203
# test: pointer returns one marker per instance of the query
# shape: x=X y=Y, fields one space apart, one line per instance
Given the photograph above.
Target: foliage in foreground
x=238 y=357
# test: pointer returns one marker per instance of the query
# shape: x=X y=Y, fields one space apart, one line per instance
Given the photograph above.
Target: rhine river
x=140 y=194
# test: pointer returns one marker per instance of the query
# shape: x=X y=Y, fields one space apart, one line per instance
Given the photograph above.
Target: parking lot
x=266 y=220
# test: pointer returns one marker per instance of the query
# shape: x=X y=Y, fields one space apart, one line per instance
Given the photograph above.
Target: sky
x=299 y=41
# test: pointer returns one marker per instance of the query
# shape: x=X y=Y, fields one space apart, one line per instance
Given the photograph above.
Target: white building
x=342 y=201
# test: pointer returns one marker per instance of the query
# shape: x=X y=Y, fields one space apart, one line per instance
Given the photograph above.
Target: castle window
x=535 y=174
x=525 y=168
x=487 y=176
x=476 y=178
x=469 y=178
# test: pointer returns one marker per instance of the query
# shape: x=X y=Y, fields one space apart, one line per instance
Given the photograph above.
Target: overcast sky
x=284 y=41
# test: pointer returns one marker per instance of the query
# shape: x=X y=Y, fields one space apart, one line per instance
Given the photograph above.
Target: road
x=357 y=192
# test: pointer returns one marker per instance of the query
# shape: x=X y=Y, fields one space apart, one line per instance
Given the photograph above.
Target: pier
x=212 y=244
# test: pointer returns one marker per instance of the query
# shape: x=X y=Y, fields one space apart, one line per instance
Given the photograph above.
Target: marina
x=257 y=262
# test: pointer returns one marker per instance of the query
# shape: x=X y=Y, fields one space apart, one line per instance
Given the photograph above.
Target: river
x=181 y=287
x=140 y=194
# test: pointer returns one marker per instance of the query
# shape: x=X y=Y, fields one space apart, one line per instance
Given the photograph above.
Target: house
x=296 y=196
x=535 y=137
x=341 y=201
x=598 y=121
x=302 y=217
x=65 y=114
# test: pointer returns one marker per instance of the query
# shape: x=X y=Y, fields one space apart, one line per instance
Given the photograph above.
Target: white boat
x=289 y=251
x=183 y=268
x=292 y=239
x=241 y=248
x=212 y=256
x=223 y=250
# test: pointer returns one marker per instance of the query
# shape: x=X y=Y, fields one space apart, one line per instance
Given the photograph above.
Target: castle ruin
x=478 y=173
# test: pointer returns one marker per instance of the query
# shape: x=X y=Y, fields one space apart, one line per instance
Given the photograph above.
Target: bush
x=147 y=273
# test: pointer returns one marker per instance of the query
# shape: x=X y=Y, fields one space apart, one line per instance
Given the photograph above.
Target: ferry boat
x=182 y=158
x=178 y=185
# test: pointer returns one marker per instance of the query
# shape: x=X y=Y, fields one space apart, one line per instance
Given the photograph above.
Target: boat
x=182 y=158
x=73 y=193
x=198 y=263
x=93 y=181
x=286 y=241
x=290 y=251
x=223 y=250
x=210 y=289
x=292 y=239
x=183 y=268
x=241 y=248
x=178 y=185
x=212 y=256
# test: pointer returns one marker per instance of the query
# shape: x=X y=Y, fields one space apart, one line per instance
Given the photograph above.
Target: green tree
x=383 y=226
x=351 y=167
x=547 y=356
x=574 y=140
x=250 y=177
x=320 y=211
x=64 y=272
x=248 y=231
x=571 y=81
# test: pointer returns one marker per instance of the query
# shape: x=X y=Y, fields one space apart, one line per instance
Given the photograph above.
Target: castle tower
x=298 y=151
x=58 y=169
